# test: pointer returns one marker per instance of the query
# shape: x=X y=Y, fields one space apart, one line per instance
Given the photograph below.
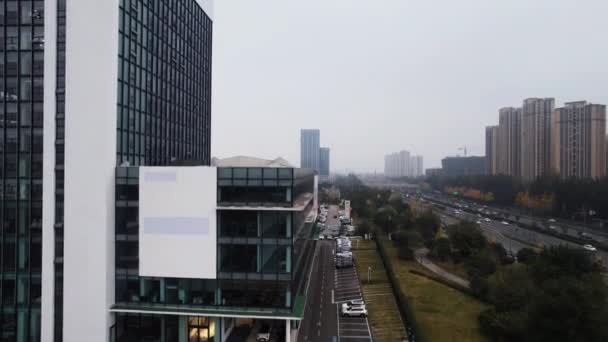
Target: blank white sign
x=177 y=222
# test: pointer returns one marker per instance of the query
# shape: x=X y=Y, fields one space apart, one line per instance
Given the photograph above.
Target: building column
x=287 y=330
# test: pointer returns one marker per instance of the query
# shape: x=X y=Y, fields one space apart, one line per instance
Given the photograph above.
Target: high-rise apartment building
x=405 y=164
x=86 y=86
x=578 y=140
x=536 y=137
x=310 y=140
x=324 y=162
x=416 y=167
x=509 y=141
x=491 y=150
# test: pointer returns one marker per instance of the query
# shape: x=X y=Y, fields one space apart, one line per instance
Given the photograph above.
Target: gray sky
x=378 y=76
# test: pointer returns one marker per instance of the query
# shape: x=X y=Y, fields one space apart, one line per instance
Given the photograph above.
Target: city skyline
x=267 y=73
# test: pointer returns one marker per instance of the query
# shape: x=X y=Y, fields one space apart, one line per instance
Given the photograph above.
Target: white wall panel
x=177 y=222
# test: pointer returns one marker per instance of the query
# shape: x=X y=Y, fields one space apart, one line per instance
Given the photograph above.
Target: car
x=552 y=220
x=505 y=223
x=347 y=306
x=487 y=220
x=589 y=248
x=356 y=302
x=354 y=312
x=478 y=222
x=321 y=237
x=263 y=334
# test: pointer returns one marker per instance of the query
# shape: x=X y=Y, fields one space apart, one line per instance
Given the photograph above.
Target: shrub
x=527 y=256
x=443 y=248
x=406 y=253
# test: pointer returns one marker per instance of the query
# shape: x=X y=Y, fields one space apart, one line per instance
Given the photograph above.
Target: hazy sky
x=377 y=76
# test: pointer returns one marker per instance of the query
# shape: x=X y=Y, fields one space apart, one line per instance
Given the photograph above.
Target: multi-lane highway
x=511 y=236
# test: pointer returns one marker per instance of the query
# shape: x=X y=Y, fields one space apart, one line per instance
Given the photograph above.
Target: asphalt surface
x=513 y=237
x=328 y=288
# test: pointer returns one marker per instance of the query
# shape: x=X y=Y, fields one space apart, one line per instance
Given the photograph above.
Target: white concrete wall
x=48 y=176
x=90 y=159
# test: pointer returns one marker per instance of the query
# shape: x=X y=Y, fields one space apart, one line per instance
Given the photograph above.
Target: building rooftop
x=245 y=161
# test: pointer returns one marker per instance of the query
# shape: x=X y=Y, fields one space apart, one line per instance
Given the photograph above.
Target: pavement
x=421 y=257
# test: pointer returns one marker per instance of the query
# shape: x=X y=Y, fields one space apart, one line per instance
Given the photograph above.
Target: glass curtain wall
x=21 y=103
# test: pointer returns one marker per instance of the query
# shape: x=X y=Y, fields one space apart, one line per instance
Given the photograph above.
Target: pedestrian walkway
x=421 y=257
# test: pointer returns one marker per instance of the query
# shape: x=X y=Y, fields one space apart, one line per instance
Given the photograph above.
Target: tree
x=466 y=238
x=482 y=263
x=363 y=228
x=443 y=248
x=427 y=224
x=405 y=253
x=526 y=256
x=384 y=218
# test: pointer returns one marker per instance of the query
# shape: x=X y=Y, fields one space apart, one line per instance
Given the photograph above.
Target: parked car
x=505 y=223
x=354 y=312
x=263 y=334
x=487 y=220
x=551 y=220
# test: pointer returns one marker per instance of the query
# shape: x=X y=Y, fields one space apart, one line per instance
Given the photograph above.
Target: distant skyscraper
x=405 y=164
x=509 y=138
x=416 y=168
x=578 y=140
x=492 y=150
x=324 y=162
x=535 y=137
x=309 y=148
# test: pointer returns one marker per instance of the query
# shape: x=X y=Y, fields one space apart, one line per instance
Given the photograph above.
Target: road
x=320 y=315
x=511 y=236
x=328 y=288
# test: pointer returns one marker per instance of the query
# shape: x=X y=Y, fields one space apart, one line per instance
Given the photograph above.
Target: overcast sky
x=377 y=76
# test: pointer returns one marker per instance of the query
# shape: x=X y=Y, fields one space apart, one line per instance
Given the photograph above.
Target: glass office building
x=21 y=148
x=263 y=257
x=136 y=90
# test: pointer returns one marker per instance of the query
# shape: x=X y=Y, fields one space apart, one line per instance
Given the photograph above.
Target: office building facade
x=536 y=137
x=463 y=166
x=324 y=163
x=310 y=149
x=491 y=150
x=509 y=141
x=245 y=263
x=88 y=85
x=578 y=140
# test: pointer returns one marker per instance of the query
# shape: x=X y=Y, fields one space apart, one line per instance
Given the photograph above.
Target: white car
x=478 y=222
x=505 y=223
x=354 y=312
x=552 y=220
x=263 y=334
x=356 y=302
x=589 y=248
x=487 y=220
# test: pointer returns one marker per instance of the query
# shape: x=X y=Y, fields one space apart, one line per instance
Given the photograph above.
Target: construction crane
x=464 y=148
